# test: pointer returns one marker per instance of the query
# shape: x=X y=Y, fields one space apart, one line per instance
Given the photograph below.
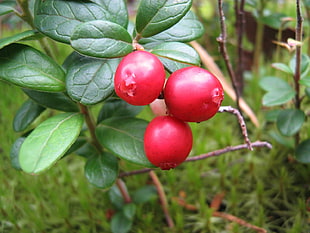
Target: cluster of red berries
x=191 y=94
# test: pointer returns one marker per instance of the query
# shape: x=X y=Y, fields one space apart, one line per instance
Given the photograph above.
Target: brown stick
x=209 y=63
x=162 y=198
x=122 y=188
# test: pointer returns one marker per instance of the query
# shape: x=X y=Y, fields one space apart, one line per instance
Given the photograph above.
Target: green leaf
x=78 y=144
x=87 y=150
x=117 y=10
x=154 y=17
x=129 y=210
x=49 y=142
x=274 y=20
x=6 y=7
x=17 y=37
x=116 y=197
x=145 y=194
x=187 y=29
x=101 y=39
x=58 y=100
x=289 y=121
x=172 y=65
x=278 y=91
x=26 y=114
x=15 y=151
x=124 y=138
x=120 y=223
x=283 y=67
x=27 y=67
x=177 y=51
x=117 y=108
x=305 y=81
x=272 y=115
x=303 y=152
x=304 y=66
x=58 y=18
x=285 y=141
x=90 y=80
x=102 y=170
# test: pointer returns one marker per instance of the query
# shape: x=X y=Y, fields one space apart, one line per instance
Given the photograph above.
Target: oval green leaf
x=26 y=114
x=124 y=138
x=282 y=67
x=58 y=100
x=187 y=29
x=58 y=18
x=120 y=223
x=117 y=108
x=117 y=10
x=27 y=67
x=15 y=152
x=101 y=39
x=156 y=16
x=177 y=51
x=102 y=170
x=17 y=37
x=289 y=121
x=49 y=142
x=7 y=7
x=303 y=152
x=90 y=80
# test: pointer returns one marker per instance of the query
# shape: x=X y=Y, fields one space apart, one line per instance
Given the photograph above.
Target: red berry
x=167 y=141
x=193 y=94
x=139 y=78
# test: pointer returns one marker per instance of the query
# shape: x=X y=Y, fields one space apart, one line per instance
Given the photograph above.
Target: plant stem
x=207 y=155
x=26 y=16
x=122 y=188
x=162 y=198
x=91 y=126
x=259 y=38
x=298 y=37
x=222 y=43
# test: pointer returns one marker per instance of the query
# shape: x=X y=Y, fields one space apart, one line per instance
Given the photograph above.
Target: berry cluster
x=191 y=94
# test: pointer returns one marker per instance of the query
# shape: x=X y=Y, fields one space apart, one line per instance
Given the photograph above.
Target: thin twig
x=207 y=155
x=222 y=44
x=242 y=124
x=298 y=38
x=162 y=198
x=228 y=149
x=122 y=188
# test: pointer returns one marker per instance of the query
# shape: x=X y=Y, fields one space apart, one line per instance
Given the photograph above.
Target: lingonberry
x=167 y=141
x=139 y=78
x=193 y=94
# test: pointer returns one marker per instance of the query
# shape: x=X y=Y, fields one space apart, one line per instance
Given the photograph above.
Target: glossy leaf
x=124 y=138
x=304 y=66
x=90 y=80
x=187 y=29
x=303 y=152
x=49 y=142
x=58 y=18
x=101 y=39
x=17 y=37
x=87 y=150
x=289 y=121
x=102 y=170
x=26 y=114
x=154 y=17
x=27 y=67
x=117 y=10
x=78 y=144
x=278 y=91
x=172 y=65
x=285 y=141
x=117 y=108
x=145 y=194
x=15 y=151
x=177 y=51
x=58 y=100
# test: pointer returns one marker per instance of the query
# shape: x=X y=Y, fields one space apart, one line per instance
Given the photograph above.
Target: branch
x=162 y=198
x=204 y=156
x=222 y=43
x=241 y=123
x=122 y=188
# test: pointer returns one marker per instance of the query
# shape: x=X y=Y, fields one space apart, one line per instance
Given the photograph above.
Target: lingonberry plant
x=104 y=66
